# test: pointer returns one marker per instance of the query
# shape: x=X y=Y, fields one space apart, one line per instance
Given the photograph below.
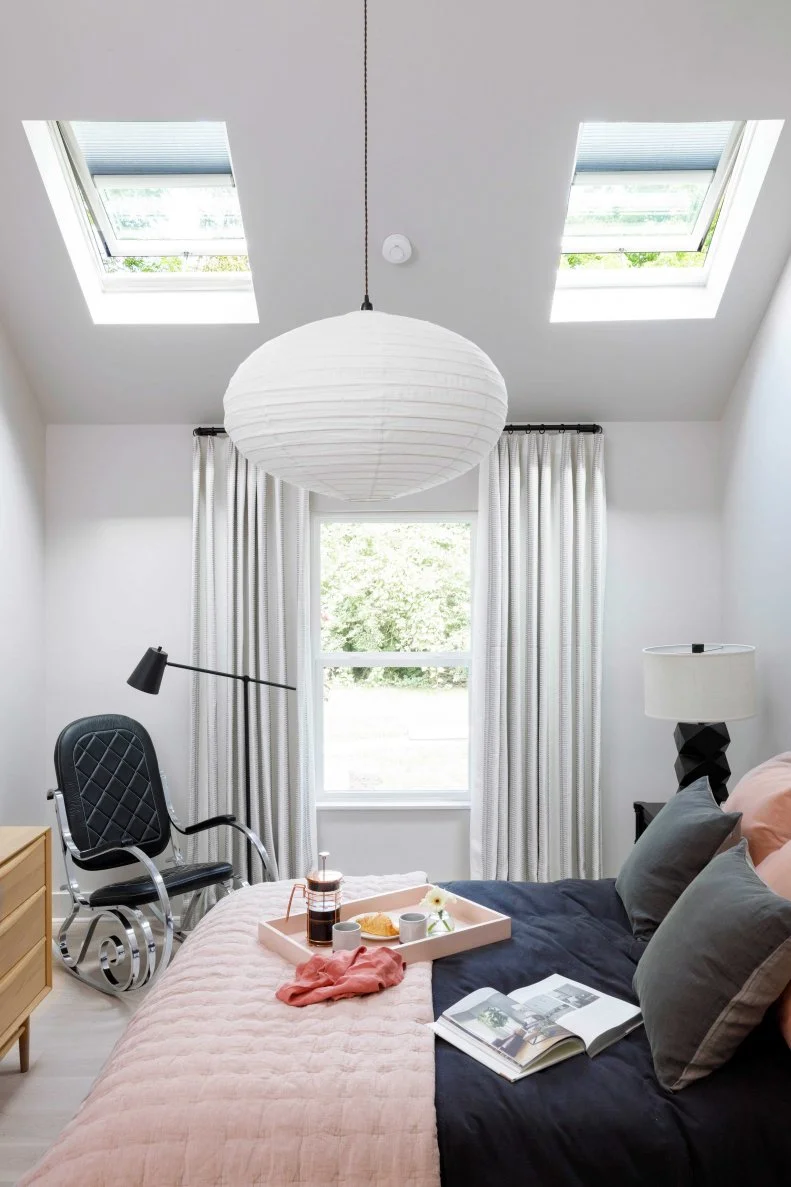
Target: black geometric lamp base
x=701 y=751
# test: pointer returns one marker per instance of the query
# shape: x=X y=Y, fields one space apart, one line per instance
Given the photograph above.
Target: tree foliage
x=396 y=587
x=183 y=263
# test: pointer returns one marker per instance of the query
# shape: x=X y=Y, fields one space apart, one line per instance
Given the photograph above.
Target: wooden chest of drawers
x=25 y=932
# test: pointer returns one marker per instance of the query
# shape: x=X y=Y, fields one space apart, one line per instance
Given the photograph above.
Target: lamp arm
x=231 y=676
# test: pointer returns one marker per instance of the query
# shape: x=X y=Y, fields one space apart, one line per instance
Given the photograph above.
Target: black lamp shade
x=147 y=676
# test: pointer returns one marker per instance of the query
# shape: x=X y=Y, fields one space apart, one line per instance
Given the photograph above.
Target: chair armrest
x=187 y=830
x=213 y=822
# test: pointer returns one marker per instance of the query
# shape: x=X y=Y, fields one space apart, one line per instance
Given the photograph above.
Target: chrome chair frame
x=132 y=937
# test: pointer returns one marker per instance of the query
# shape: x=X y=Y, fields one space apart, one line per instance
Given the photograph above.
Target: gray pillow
x=678 y=843
x=714 y=966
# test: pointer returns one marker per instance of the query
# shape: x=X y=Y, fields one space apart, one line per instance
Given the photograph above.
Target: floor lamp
x=147 y=677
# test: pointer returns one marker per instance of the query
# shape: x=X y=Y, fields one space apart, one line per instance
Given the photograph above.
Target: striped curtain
x=250 y=614
x=537 y=659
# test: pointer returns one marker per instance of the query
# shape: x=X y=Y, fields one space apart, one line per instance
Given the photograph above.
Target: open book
x=534 y=1027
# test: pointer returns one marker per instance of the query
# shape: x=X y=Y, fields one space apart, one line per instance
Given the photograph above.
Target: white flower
x=436 y=899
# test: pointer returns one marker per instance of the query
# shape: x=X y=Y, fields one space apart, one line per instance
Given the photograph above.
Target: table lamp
x=700 y=687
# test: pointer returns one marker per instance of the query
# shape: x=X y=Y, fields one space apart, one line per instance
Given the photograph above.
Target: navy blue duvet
x=602 y=1122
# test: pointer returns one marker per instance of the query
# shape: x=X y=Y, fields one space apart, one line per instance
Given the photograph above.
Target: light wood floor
x=72 y=1033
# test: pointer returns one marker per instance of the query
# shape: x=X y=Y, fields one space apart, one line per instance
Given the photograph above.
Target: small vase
x=441 y=923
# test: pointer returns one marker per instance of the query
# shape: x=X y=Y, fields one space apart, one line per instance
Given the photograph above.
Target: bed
x=602 y=1122
x=215 y=1082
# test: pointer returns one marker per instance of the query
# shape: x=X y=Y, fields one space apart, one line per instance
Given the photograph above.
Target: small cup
x=346 y=936
x=412 y=925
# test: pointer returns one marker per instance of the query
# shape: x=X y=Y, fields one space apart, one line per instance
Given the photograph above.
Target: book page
x=584 y=1011
x=497 y=1022
x=497 y=1063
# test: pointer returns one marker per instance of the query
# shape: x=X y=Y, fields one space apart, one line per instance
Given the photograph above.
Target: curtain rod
x=553 y=428
x=219 y=431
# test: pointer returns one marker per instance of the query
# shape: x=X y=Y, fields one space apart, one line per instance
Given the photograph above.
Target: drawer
x=22 y=930
x=21 y=877
x=20 y=988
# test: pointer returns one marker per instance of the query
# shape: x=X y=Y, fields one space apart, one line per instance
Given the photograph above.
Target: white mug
x=412 y=925
x=346 y=936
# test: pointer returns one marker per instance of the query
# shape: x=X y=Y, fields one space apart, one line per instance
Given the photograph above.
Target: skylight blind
x=161 y=147
x=626 y=147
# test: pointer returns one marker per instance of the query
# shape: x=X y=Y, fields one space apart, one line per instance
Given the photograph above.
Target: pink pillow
x=775 y=871
x=763 y=797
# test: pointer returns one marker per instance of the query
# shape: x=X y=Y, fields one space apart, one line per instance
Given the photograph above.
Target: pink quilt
x=215 y=1082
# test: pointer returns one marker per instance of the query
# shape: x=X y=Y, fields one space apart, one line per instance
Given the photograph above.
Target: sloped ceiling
x=473 y=111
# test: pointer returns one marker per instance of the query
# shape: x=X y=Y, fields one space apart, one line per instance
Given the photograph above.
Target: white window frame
x=655 y=294
x=119 y=247
x=362 y=659
x=615 y=241
x=619 y=239
x=209 y=298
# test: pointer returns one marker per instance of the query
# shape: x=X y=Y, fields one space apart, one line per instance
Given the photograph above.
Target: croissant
x=378 y=924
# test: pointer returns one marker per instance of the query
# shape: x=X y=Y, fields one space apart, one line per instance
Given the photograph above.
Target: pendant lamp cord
x=366 y=299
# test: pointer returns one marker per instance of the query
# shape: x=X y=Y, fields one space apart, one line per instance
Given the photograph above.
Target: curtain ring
x=561 y=428
x=542 y=429
x=579 y=428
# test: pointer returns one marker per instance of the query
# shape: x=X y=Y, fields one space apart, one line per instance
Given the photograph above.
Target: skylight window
x=658 y=206
x=159 y=189
x=150 y=215
x=648 y=187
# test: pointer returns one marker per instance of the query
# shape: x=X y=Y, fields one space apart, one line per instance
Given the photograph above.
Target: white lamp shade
x=717 y=684
x=366 y=406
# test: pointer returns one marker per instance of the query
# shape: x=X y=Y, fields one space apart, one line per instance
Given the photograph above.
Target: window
x=644 y=189
x=151 y=218
x=656 y=215
x=392 y=618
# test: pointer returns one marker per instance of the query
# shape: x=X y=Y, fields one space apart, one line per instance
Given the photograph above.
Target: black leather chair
x=113 y=811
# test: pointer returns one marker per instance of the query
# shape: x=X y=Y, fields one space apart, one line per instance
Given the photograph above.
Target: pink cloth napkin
x=343 y=974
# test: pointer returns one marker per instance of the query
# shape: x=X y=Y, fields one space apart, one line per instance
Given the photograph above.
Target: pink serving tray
x=476 y=926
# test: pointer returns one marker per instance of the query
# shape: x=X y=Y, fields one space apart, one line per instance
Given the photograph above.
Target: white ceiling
x=473 y=113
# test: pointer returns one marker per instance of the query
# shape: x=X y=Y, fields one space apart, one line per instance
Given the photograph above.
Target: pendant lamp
x=367 y=405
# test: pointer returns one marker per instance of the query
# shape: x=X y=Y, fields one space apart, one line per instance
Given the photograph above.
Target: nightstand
x=25 y=933
x=644 y=813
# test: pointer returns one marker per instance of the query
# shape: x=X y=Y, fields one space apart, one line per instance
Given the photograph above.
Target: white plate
x=367 y=935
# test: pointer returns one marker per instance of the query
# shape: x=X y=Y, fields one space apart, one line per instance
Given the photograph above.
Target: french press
x=322 y=893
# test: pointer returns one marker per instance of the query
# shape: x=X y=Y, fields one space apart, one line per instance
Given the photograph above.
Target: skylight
x=150 y=215
x=658 y=206
x=644 y=188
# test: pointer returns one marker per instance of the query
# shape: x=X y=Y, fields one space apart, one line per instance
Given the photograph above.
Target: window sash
x=119 y=247
x=691 y=242
x=394 y=659
x=382 y=659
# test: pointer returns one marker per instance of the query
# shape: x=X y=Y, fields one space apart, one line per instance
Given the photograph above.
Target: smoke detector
x=396 y=249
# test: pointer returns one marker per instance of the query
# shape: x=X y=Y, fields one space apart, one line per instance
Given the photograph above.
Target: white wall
x=119 y=508
x=21 y=597
x=756 y=532
x=663 y=586
x=118 y=572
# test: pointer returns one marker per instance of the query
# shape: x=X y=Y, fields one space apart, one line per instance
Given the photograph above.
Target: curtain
x=250 y=614
x=537 y=659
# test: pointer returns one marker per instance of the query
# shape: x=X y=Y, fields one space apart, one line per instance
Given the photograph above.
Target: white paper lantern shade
x=366 y=406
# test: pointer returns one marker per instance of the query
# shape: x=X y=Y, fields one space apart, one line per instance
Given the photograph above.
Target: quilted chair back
x=107 y=770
